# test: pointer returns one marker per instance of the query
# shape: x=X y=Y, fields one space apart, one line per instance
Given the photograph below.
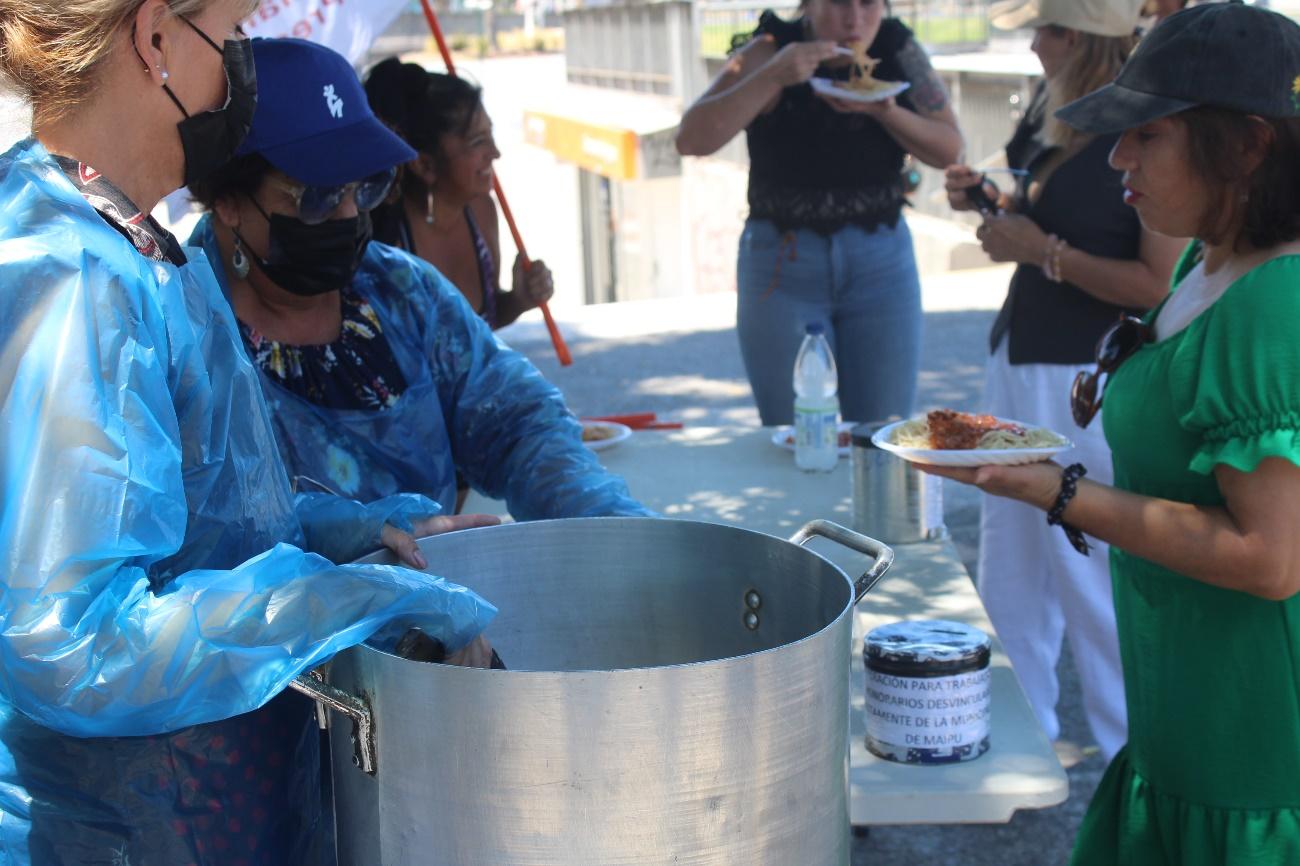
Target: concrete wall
x=654 y=48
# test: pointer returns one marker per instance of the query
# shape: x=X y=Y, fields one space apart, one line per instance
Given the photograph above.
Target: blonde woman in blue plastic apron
x=160 y=584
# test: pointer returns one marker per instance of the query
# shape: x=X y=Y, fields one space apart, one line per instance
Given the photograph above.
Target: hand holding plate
x=1035 y=484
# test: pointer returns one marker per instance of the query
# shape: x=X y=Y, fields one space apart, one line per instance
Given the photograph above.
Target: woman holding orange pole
x=443 y=211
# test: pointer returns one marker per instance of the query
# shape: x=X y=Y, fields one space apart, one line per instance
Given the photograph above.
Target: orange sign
x=606 y=150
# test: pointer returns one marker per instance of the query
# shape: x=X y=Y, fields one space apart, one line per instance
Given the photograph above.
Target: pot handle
x=356 y=709
x=882 y=554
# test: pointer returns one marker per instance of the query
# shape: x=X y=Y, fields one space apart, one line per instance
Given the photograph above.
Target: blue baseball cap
x=313 y=121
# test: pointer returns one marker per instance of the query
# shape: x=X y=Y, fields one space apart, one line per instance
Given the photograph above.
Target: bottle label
x=928 y=712
x=816 y=429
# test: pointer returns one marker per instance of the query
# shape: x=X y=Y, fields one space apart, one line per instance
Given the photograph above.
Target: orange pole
x=437 y=35
x=557 y=340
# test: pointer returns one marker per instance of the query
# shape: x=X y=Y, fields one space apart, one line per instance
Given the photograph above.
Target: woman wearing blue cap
x=1202 y=401
x=380 y=376
x=160 y=584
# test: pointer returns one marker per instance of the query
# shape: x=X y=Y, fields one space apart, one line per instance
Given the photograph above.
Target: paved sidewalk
x=679 y=358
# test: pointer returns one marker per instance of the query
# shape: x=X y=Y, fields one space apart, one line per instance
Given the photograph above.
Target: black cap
x=1223 y=55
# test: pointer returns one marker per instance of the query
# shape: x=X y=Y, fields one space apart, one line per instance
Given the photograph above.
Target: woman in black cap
x=1203 y=419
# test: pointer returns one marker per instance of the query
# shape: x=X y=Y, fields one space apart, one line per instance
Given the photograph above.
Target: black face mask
x=210 y=139
x=311 y=260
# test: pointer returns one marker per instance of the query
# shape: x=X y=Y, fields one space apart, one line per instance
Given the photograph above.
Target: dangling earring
x=428 y=207
x=239 y=261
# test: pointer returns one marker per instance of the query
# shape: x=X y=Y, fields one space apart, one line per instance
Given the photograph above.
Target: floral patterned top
x=356 y=371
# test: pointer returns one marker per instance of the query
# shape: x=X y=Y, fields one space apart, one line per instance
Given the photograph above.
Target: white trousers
x=1036 y=587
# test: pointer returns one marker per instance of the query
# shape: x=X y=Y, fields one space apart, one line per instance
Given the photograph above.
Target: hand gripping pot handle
x=882 y=555
x=356 y=709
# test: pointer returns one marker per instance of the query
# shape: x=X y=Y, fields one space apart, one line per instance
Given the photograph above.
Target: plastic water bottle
x=816 y=408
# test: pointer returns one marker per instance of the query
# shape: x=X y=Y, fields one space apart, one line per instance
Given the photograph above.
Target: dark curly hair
x=241 y=176
x=1270 y=214
x=421 y=106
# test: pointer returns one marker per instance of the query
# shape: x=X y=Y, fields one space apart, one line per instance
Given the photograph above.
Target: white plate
x=621 y=432
x=883 y=438
x=832 y=88
x=783 y=437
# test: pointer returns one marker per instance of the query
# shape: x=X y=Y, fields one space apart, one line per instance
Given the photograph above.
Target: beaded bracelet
x=1069 y=485
x=1056 y=260
x=1047 y=259
x=1052 y=258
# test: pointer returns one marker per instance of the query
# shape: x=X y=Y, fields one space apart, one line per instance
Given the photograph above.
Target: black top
x=811 y=166
x=393 y=228
x=1082 y=203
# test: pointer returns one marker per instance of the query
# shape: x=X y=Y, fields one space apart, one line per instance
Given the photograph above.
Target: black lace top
x=1082 y=202
x=811 y=166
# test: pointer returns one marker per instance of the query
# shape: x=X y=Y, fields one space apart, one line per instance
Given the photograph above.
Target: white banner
x=347 y=26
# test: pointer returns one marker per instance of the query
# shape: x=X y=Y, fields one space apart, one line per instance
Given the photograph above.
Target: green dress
x=1211 y=771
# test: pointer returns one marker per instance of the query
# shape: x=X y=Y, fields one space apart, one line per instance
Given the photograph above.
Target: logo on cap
x=335 y=103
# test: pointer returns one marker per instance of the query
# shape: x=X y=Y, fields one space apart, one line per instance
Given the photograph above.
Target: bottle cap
x=814 y=328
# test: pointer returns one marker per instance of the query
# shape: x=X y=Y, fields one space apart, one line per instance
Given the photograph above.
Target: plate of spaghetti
x=841 y=90
x=599 y=435
x=948 y=438
x=861 y=84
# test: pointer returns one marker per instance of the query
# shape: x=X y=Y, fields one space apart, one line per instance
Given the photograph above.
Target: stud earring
x=428 y=207
x=164 y=74
x=239 y=261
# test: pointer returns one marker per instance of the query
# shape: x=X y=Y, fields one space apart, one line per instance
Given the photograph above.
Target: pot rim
x=386 y=557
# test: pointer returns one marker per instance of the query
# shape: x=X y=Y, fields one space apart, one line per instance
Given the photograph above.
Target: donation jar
x=927 y=695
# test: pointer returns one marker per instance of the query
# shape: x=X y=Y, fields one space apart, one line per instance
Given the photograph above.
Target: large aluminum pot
x=677 y=694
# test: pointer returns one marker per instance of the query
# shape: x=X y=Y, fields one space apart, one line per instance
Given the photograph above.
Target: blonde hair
x=51 y=51
x=1095 y=63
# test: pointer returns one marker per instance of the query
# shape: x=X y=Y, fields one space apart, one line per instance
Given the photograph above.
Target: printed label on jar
x=928 y=712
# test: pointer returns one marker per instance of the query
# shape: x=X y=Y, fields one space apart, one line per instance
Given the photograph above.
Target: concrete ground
x=679 y=358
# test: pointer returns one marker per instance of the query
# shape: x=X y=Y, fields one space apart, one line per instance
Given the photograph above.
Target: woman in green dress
x=1203 y=419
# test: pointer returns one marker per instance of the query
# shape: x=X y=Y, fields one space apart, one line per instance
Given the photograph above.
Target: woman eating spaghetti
x=825 y=240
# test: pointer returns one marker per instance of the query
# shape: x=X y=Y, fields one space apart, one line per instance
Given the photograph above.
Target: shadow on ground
x=698 y=377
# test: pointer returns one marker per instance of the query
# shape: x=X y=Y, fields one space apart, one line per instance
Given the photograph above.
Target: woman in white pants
x=1084 y=259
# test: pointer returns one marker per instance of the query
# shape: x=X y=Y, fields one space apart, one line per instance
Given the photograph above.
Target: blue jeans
x=862 y=286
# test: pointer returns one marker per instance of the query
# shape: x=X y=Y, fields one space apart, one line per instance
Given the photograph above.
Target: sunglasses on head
x=1115 y=347
x=317 y=203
